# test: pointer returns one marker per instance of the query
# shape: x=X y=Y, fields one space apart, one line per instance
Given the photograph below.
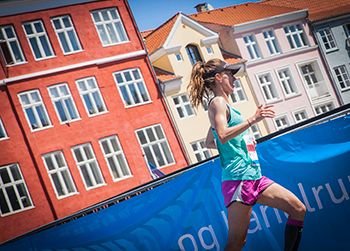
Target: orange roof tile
x=242 y=13
x=231 y=58
x=163 y=75
x=318 y=9
x=146 y=33
x=157 y=37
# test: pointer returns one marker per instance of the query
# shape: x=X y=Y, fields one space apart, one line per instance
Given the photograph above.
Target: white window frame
x=238 y=89
x=62 y=98
x=32 y=104
x=59 y=170
x=297 y=113
x=87 y=162
x=179 y=57
x=270 y=85
x=272 y=41
x=344 y=75
x=65 y=31
x=209 y=50
x=200 y=150
x=133 y=81
x=2 y=129
x=255 y=131
x=158 y=142
x=289 y=80
x=110 y=21
x=36 y=35
x=280 y=117
x=114 y=155
x=90 y=91
x=309 y=75
x=14 y=184
x=326 y=106
x=182 y=105
x=300 y=34
x=252 y=47
x=326 y=37
x=8 y=42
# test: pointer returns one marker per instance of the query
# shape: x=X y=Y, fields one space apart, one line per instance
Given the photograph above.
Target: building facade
x=81 y=116
x=174 y=48
x=330 y=22
x=283 y=61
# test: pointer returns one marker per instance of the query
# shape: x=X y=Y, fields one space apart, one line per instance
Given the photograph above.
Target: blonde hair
x=200 y=85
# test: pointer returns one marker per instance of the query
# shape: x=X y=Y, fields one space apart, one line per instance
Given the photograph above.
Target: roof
x=146 y=33
x=238 y=14
x=163 y=75
x=156 y=38
x=318 y=9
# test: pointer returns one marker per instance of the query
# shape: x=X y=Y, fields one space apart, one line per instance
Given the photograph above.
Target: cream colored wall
x=163 y=63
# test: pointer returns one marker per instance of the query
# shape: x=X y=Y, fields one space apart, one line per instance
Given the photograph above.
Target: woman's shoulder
x=217 y=102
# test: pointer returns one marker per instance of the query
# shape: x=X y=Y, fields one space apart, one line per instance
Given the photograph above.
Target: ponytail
x=196 y=87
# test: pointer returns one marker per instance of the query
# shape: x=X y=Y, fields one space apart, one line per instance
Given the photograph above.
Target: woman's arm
x=209 y=141
x=225 y=133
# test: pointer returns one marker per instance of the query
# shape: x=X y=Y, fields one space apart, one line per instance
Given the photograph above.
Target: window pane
x=13 y=198
x=3 y=204
x=57 y=184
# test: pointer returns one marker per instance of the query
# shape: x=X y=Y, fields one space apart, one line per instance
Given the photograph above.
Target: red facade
x=26 y=147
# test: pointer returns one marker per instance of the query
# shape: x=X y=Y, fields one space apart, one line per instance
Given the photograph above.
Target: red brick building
x=80 y=112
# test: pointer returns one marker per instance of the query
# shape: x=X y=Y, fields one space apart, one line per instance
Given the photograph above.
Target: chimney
x=202 y=7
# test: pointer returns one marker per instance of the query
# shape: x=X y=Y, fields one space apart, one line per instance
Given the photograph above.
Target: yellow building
x=173 y=48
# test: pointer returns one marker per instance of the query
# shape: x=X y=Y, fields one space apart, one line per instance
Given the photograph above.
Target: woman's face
x=228 y=80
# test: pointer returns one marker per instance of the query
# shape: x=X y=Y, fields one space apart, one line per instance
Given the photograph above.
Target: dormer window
x=193 y=54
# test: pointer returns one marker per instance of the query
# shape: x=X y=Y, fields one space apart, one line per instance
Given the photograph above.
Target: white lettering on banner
x=342 y=187
x=303 y=195
x=204 y=245
x=316 y=191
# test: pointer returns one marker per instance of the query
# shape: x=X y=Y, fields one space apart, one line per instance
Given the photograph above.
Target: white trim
x=300 y=109
x=75 y=66
x=210 y=40
x=270 y=21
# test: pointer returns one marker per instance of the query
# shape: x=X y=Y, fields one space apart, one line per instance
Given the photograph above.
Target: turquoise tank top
x=235 y=161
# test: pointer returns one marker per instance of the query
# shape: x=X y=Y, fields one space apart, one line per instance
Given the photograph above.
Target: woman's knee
x=298 y=210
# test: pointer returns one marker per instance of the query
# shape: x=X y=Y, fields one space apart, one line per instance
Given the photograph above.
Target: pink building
x=284 y=64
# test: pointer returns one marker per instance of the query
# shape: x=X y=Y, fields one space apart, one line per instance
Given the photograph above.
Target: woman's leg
x=238 y=223
x=279 y=197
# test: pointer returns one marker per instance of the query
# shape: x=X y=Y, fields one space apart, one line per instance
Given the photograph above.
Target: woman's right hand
x=263 y=111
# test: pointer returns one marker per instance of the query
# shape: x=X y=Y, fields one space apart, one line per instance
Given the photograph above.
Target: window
x=91 y=96
x=155 y=146
x=109 y=26
x=193 y=54
x=200 y=150
x=209 y=50
x=271 y=42
x=179 y=57
x=59 y=174
x=281 y=122
x=38 y=40
x=131 y=87
x=10 y=46
x=309 y=75
x=88 y=166
x=115 y=158
x=238 y=95
x=328 y=39
x=3 y=134
x=14 y=196
x=66 y=34
x=252 y=47
x=267 y=87
x=254 y=129
x=63 y=102
x=347 y=29
x=183 y=106
x=287 y=83
x=342 y=77
x=324 y=108
x=300 y=115
x=295 y=35
x=34 y=110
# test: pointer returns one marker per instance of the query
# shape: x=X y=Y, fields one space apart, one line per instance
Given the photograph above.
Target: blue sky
x=150 y=14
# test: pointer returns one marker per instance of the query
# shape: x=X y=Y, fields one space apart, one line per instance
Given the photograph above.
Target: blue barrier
x=187 y=212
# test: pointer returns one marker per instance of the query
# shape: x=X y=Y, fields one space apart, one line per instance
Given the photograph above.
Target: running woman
x=242 y=182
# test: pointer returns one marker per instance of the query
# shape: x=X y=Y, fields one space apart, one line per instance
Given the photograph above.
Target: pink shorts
x=244 y=191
